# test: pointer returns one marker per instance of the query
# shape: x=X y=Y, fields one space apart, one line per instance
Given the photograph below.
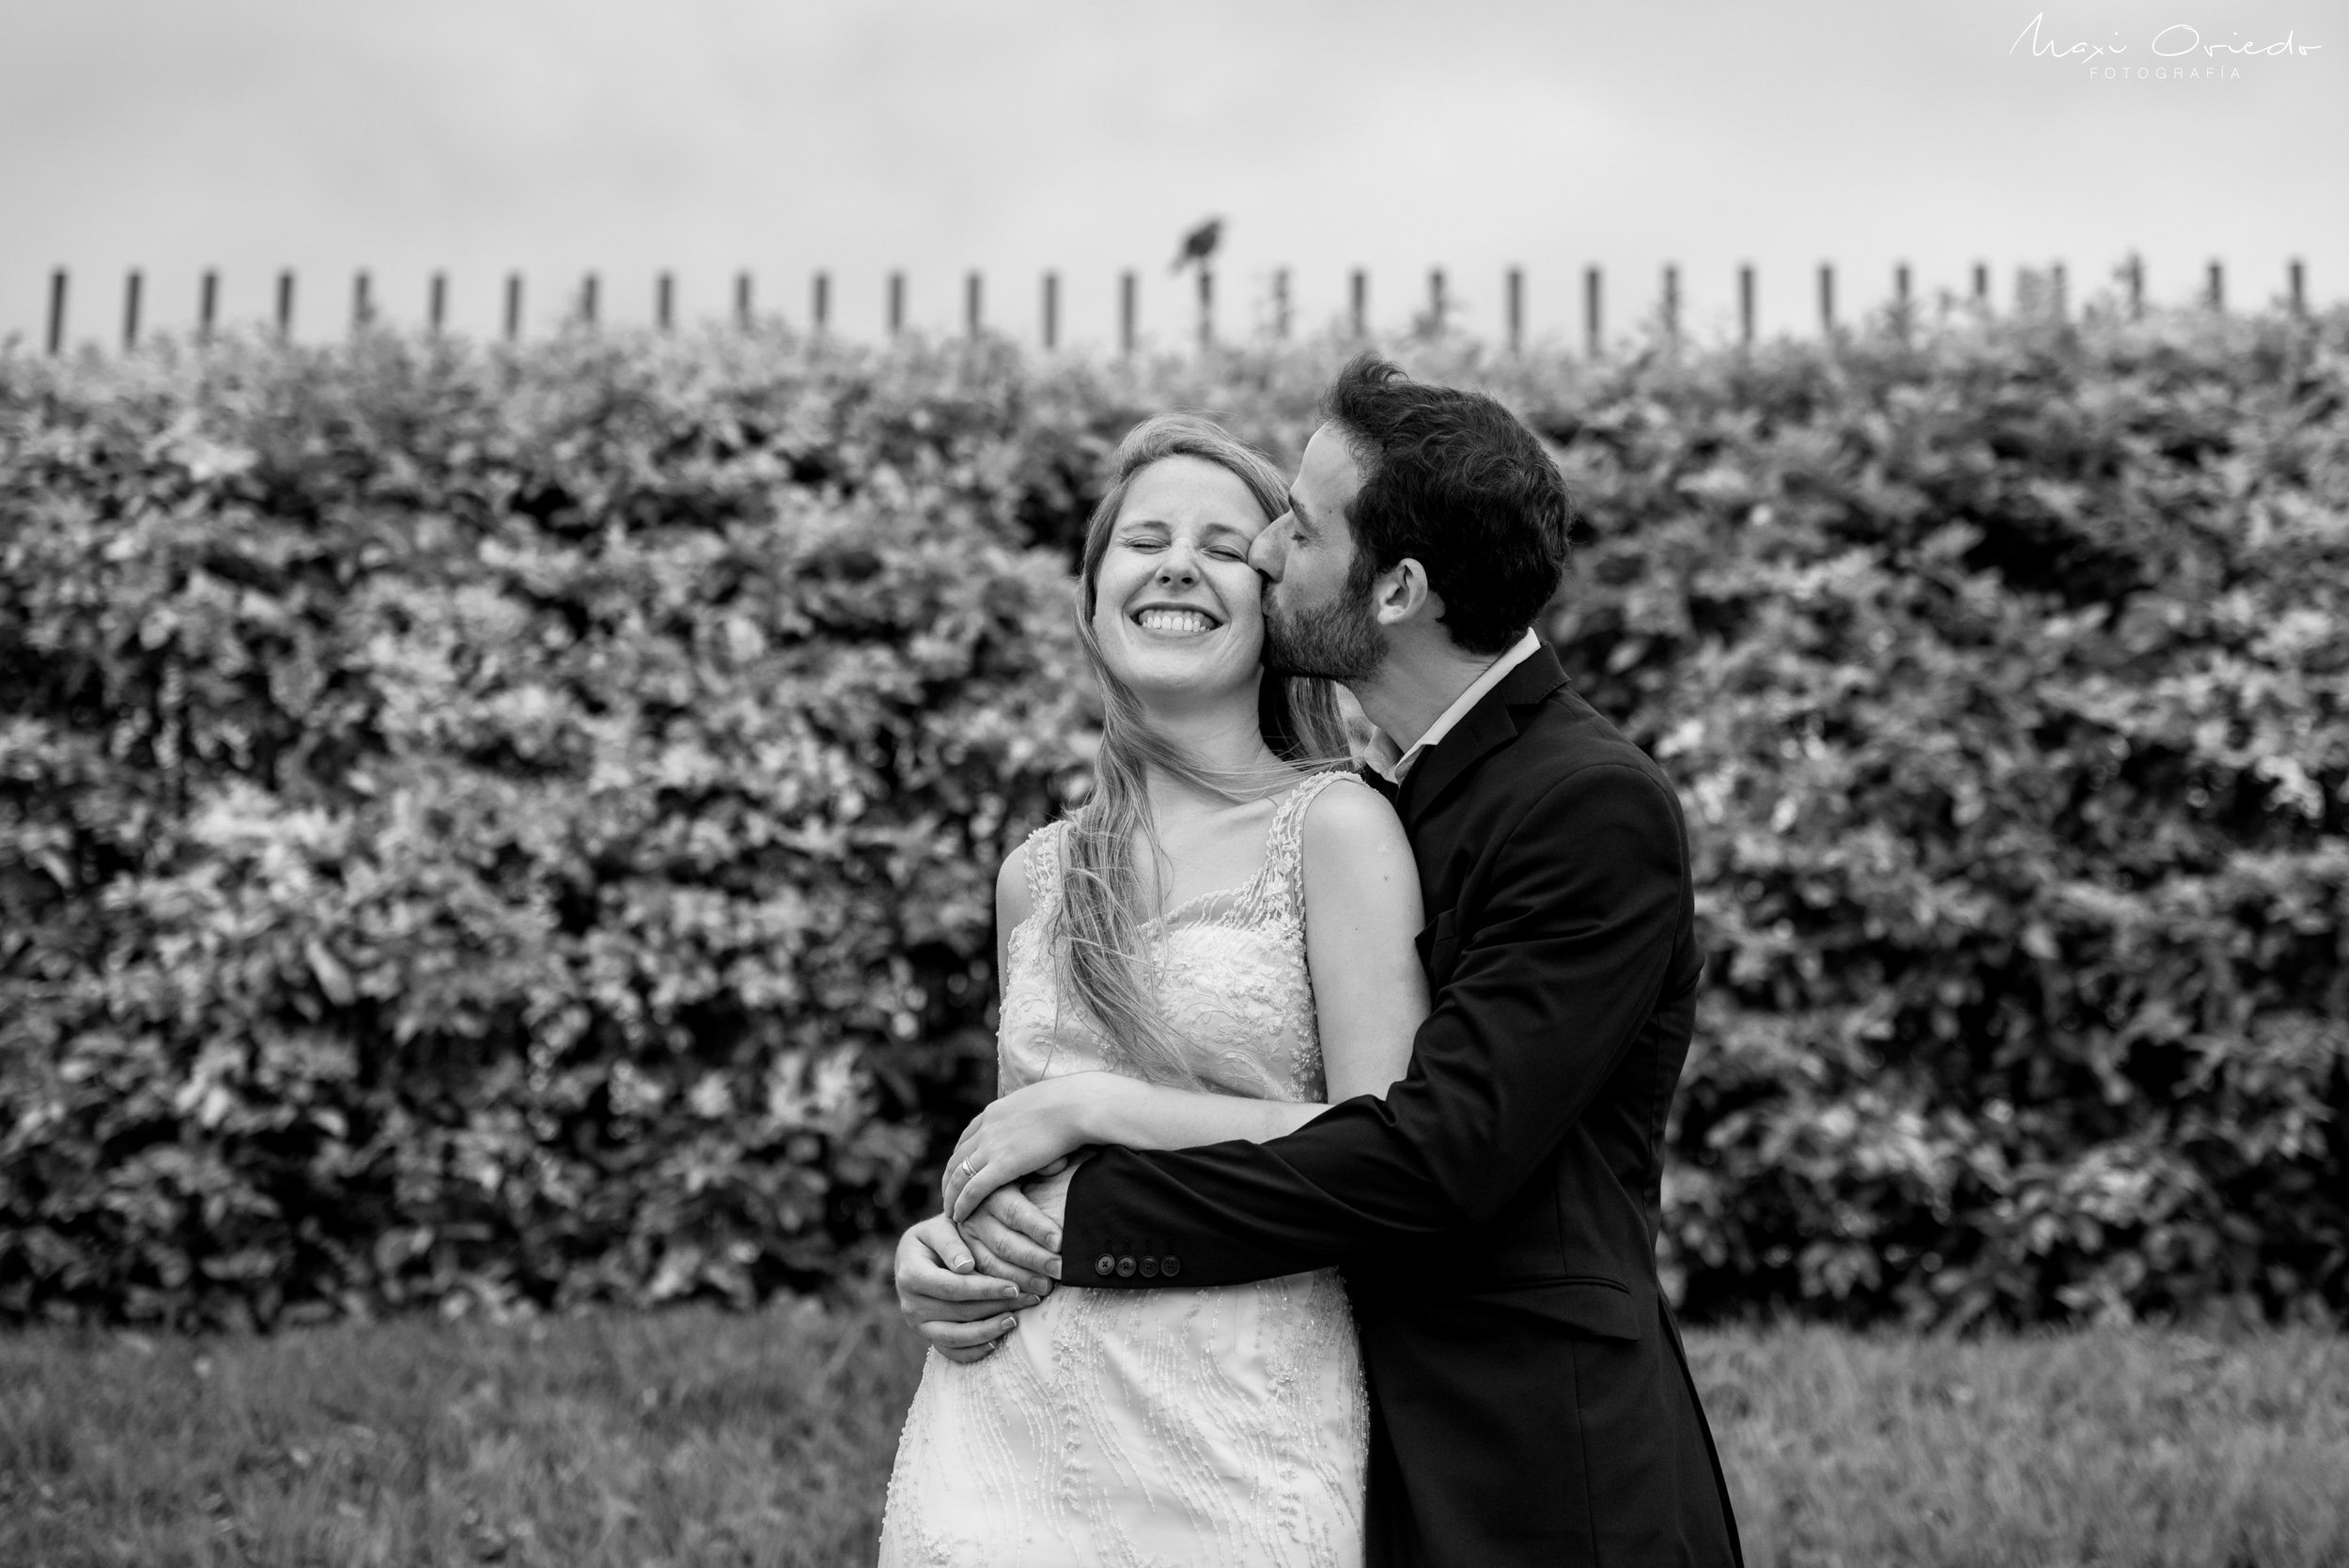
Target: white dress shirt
x=1380 y=752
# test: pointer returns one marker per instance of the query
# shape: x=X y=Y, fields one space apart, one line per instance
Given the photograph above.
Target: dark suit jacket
x=1496 y=1212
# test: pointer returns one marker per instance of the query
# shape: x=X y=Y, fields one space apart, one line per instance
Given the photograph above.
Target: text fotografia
x=2178 y=53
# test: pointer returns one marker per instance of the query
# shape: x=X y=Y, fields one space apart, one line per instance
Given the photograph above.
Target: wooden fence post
x=1129 y=310
x=971 y=321
x=1516 y=310
x=821 y=303
x=1052 y=311
x=1900 y=299
x=2218 y=297
x=436 y=307
x=2299 y=288
x=897 y=303
x=2136 y=271
x=1745 y=303
x=1281 y=302
x=1826 y=299
x=130 y=311
x=284 y=305
x=664 y=301
x=513 y=307
x=742 y=301
x=1207 y=303
x=2056 y=292
x=1982 y=285
x=1671 y=303
x=1436 y=304
x=1591 y=334
x=588 y=288
x=362 y=303
x=1358 y=302
x=207 y=303
x=57 y=312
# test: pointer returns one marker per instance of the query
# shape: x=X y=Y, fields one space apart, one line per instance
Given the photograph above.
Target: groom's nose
x=1268 y=550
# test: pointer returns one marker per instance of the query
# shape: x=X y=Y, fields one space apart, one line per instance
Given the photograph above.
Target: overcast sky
x=1010 y=136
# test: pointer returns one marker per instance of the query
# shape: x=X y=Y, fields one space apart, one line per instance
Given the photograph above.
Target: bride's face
x=1177 y=608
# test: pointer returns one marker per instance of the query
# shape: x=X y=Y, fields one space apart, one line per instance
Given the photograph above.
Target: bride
x=1217 y=945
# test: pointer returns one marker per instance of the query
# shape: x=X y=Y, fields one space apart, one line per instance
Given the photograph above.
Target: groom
x=1494 y=1213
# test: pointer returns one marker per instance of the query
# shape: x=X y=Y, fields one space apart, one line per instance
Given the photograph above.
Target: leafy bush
x=492 y=830
x=2007 y=681
x=490 y=827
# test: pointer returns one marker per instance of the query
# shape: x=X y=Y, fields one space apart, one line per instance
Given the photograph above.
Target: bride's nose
x=1177 y=571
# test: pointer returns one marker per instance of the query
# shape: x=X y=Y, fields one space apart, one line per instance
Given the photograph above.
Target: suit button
x=1149 y=1268
x=1125 y=1268
x=1169 y=1265
x=1105 y=1265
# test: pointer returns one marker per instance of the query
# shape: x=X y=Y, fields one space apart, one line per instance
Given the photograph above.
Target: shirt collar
x=1380 y=753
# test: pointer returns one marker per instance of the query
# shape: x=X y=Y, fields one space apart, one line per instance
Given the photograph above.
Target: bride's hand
x=1022 y=1133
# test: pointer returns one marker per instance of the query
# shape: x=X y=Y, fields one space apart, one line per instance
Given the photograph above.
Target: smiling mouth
x=1179 y=622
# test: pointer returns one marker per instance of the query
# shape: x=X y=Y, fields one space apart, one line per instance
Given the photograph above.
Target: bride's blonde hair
x=1104 y=963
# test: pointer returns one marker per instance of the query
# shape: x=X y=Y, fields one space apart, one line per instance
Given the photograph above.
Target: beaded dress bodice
x=1136 y=1428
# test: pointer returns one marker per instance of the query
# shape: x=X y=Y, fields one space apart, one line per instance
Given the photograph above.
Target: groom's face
x=1318 y=615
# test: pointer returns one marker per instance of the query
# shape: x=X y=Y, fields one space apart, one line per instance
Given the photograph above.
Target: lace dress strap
x=1284 y=846
x=1043 y=866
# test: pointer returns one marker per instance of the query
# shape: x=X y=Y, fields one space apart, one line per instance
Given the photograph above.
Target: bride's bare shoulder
x=1348 y=818
x=1012 y=901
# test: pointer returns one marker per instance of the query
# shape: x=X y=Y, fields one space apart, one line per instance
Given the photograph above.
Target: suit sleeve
x=1570 y=949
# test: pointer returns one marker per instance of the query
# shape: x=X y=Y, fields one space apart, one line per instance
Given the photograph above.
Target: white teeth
x=1176 y=620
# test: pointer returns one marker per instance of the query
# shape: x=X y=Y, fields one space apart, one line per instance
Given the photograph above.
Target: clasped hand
x=961 y=1287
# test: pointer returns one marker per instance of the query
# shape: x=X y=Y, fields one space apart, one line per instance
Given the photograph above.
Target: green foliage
x=518 y=826
x=2007 y=682
x=487 y=829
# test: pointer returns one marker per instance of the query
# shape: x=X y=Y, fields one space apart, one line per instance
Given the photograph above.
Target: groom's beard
x=1339 y=640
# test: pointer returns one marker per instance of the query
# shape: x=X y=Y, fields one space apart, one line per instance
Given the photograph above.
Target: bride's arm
x=1361 y=910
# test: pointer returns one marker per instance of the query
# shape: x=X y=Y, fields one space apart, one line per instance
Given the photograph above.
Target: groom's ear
x=1402 y=594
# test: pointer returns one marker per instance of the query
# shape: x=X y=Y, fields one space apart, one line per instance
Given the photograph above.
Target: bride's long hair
x=1104 y=962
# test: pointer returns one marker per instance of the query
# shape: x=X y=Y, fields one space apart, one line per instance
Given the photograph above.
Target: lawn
x=699 y=1437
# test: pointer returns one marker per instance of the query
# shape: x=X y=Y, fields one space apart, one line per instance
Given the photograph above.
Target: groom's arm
x=1570 y=953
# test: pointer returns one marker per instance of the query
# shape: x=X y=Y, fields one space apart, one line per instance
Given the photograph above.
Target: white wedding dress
x=1216 y=1428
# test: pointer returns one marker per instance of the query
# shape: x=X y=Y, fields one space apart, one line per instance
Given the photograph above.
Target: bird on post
x=1199 y=251
x=1199 y=244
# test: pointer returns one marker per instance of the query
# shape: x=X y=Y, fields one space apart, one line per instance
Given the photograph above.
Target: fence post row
x=2034 y=291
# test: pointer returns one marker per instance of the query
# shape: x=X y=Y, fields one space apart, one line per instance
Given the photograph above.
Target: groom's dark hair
x=1455 y=482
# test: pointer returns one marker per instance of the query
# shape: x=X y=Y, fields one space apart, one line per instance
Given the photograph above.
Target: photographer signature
x=2171 y=42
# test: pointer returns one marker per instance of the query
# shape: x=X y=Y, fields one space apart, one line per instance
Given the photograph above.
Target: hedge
x=500 y=828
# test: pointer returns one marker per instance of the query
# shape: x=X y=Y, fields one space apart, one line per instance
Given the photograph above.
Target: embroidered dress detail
x=1140 y=1428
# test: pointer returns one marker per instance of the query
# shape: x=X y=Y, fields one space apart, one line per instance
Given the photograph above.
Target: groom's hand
x=943 y=1294
x=1018 y=1227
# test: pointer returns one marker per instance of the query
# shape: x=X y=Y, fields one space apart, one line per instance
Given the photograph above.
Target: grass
x=695 y=1437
